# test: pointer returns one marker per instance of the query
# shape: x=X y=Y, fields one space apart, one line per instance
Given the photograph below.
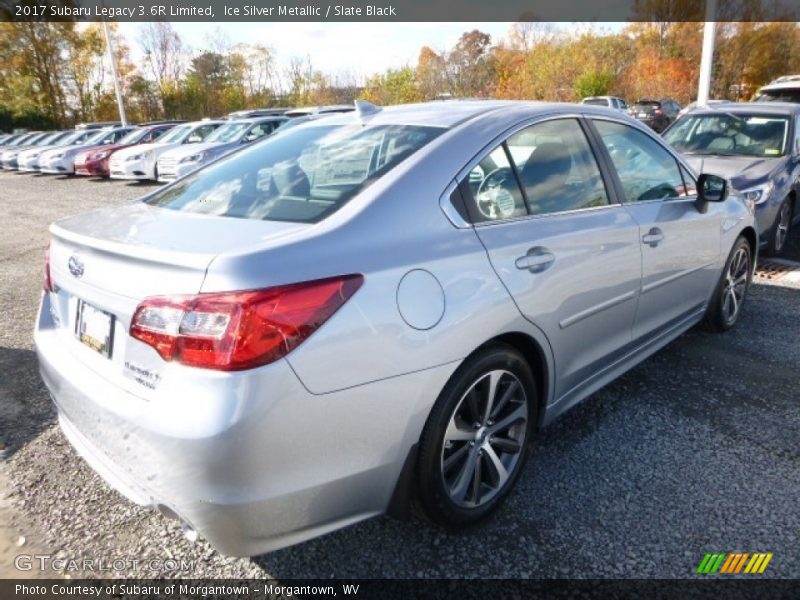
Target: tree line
x=57 y=74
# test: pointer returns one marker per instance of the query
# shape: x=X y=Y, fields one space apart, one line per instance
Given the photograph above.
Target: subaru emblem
x=75 y=266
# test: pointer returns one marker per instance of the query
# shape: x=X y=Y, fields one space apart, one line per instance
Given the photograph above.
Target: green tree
x=593 y=84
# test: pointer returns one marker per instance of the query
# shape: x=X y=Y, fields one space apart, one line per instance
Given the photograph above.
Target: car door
x=567 y=252
x=681 y=243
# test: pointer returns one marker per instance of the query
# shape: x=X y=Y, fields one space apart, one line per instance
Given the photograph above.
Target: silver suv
x=782 y=89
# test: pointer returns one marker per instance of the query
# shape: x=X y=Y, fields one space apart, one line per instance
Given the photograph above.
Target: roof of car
x=764 y=108
x=205 y=122
x=440 y=113
x=451 y=113
x=262 y=119
x=782 y=83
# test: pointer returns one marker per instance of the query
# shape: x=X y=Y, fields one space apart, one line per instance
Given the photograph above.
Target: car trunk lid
x=111 y=259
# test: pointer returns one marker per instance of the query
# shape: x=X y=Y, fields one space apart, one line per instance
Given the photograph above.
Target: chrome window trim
x=547 y=215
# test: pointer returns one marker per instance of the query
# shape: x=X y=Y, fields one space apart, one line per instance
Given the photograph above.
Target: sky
x=360 y=49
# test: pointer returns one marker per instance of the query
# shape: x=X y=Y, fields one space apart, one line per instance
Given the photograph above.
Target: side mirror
x=711 y=188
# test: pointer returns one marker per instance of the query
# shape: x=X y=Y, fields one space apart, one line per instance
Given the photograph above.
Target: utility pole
x=117 y=88
x=707 y=57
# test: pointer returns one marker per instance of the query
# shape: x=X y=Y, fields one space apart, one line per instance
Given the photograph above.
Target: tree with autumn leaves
x=55 y=74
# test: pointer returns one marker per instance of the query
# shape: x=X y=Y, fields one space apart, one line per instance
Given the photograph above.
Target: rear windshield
x=596 y=101
x=649 y=103
x=302 y=176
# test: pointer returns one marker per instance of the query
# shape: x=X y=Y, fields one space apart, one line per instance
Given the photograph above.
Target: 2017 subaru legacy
x=375 y=308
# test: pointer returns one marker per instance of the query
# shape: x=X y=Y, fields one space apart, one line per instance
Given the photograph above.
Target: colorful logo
x=735 y=562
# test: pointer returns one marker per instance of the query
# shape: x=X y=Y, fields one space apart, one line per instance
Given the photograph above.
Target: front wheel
x=781 y=229
x=476 y=439
x=726 y=303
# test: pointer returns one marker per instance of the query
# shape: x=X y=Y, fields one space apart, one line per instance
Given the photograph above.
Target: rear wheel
x=780 y=232
x=726 y=303
x=476 y=440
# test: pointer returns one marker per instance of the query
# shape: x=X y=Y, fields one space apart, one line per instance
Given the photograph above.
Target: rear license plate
x=641 y=114
x=95 y=328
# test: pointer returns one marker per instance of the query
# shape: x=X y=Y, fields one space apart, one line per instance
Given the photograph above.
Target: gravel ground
x=693 y=451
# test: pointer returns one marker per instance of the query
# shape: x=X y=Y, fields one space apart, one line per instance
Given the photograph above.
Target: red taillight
x=48 y=283
x=232 y=331
x=658 y=112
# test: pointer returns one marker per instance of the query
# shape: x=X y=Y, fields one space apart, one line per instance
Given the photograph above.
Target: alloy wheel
x=782 y=230
x=485 y=439
x=736 y=280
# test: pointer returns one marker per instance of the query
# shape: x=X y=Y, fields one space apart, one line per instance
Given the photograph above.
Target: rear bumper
x=253 y=461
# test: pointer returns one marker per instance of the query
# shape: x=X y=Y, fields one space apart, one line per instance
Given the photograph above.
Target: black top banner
x=399 y=10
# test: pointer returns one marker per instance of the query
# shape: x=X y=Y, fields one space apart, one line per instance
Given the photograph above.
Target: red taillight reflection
x=48 y=283
x=232 y=331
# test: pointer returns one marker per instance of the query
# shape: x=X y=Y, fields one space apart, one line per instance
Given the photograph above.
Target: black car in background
x=757 y=146
x=657 y=114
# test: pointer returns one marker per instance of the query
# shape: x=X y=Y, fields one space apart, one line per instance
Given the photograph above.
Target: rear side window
x=302 y=176
x=543 y=169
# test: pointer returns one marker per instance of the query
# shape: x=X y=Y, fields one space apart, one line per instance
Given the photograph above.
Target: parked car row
x=161 y=150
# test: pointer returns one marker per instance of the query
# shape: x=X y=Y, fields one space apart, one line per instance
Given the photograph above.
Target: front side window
x=301 y=176
x=645 y=168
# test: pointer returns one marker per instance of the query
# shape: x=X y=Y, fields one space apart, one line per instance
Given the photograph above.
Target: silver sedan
x=376 y=308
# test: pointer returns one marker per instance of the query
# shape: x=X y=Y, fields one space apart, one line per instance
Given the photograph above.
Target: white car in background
x=29 y=160
x=608 y=101
x=61 y=160
x=140 y=162
x=228 y=138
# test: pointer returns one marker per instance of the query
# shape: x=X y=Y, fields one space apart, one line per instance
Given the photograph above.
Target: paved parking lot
x=693 y=451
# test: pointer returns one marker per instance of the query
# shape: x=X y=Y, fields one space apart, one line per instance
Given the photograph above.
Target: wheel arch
x=535 y=356
x=749 y=233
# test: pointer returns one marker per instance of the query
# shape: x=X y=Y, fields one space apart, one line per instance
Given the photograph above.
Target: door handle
x=653 y=237
x=537 y=259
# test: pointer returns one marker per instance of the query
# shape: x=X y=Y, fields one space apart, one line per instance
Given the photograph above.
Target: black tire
x=438 y=459
x=719 y=316
x=780 y=230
